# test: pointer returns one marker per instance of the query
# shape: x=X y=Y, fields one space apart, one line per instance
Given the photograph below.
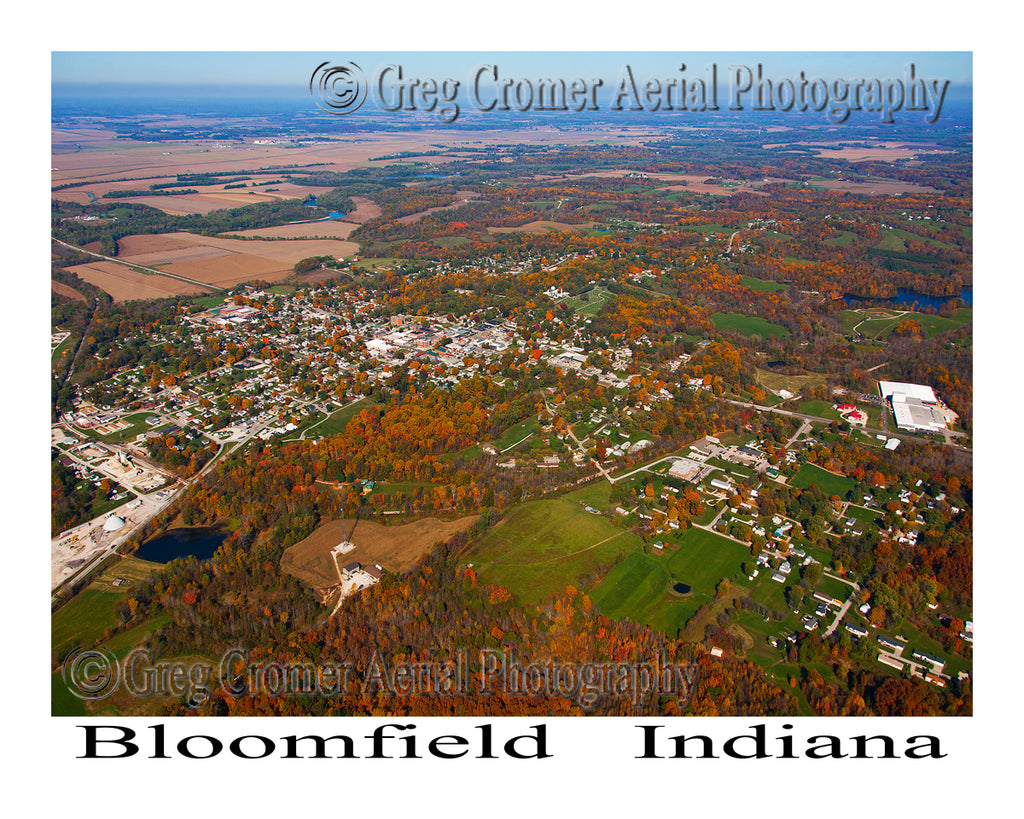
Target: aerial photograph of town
x=513 y=384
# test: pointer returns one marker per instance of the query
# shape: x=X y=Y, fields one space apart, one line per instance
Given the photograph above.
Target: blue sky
x=294 y=68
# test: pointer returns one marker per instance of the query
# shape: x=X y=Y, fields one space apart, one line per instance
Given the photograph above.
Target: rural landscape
x=345 y=391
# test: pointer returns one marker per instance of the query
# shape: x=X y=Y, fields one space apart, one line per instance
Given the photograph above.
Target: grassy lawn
x=844 y=238
x=748 y=325
x=543 y=546
x=862 y=514
x=378 y=263
x=632 y=586
x=825 y=481
x=764 y=285
x=879 y=323
x=707 y=229
x=895 y=239
x=338 y=420
x=60 y=348
x=407 y=488
x=137 y=425
x=703 y=559
x=795 y=384
x=208 y=301
x=83 y=620
x=592 y=304
x=516 y=433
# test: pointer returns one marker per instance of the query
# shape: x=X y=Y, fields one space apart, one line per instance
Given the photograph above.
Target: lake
x=199 y=541
x=906 y=298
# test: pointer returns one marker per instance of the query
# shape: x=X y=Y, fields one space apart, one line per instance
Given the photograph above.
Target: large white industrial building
x=915 y=407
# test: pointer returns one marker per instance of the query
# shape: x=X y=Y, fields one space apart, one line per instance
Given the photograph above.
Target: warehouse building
x=915 y=407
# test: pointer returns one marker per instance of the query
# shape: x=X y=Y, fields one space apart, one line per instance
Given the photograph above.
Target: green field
x=638 y=589
x=763 y=285
x=845 y=238
x=748 y=325
x=878 y=323
x=820 y=409
x=82 y=621
x=794 y=383
x=895 y=239
x=137 y=425
x=60 y=348
x=338 y=420
x=703 y=559
x=591 y=306
x=862 y=514
x=517 y=433
x=543 y=546
x=825 y=481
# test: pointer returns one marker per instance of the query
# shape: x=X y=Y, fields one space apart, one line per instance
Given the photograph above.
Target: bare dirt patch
x=396 y=548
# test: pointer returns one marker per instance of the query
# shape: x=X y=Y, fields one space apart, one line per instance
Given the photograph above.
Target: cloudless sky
x=295 y=68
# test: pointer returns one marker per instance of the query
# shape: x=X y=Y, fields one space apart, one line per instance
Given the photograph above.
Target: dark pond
x=906 y=298
x=198 y=541
x=680 y=588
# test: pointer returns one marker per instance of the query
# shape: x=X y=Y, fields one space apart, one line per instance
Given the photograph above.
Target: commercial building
x=915 y=407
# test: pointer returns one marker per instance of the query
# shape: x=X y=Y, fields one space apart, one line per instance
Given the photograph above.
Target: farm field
x=65 y=290
x=873 y=186
x=321 y=229
x=396 y=548
x=542 y=546
x=215 y=260
x=365 y=209
x=748 y=325
x=125 y=284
